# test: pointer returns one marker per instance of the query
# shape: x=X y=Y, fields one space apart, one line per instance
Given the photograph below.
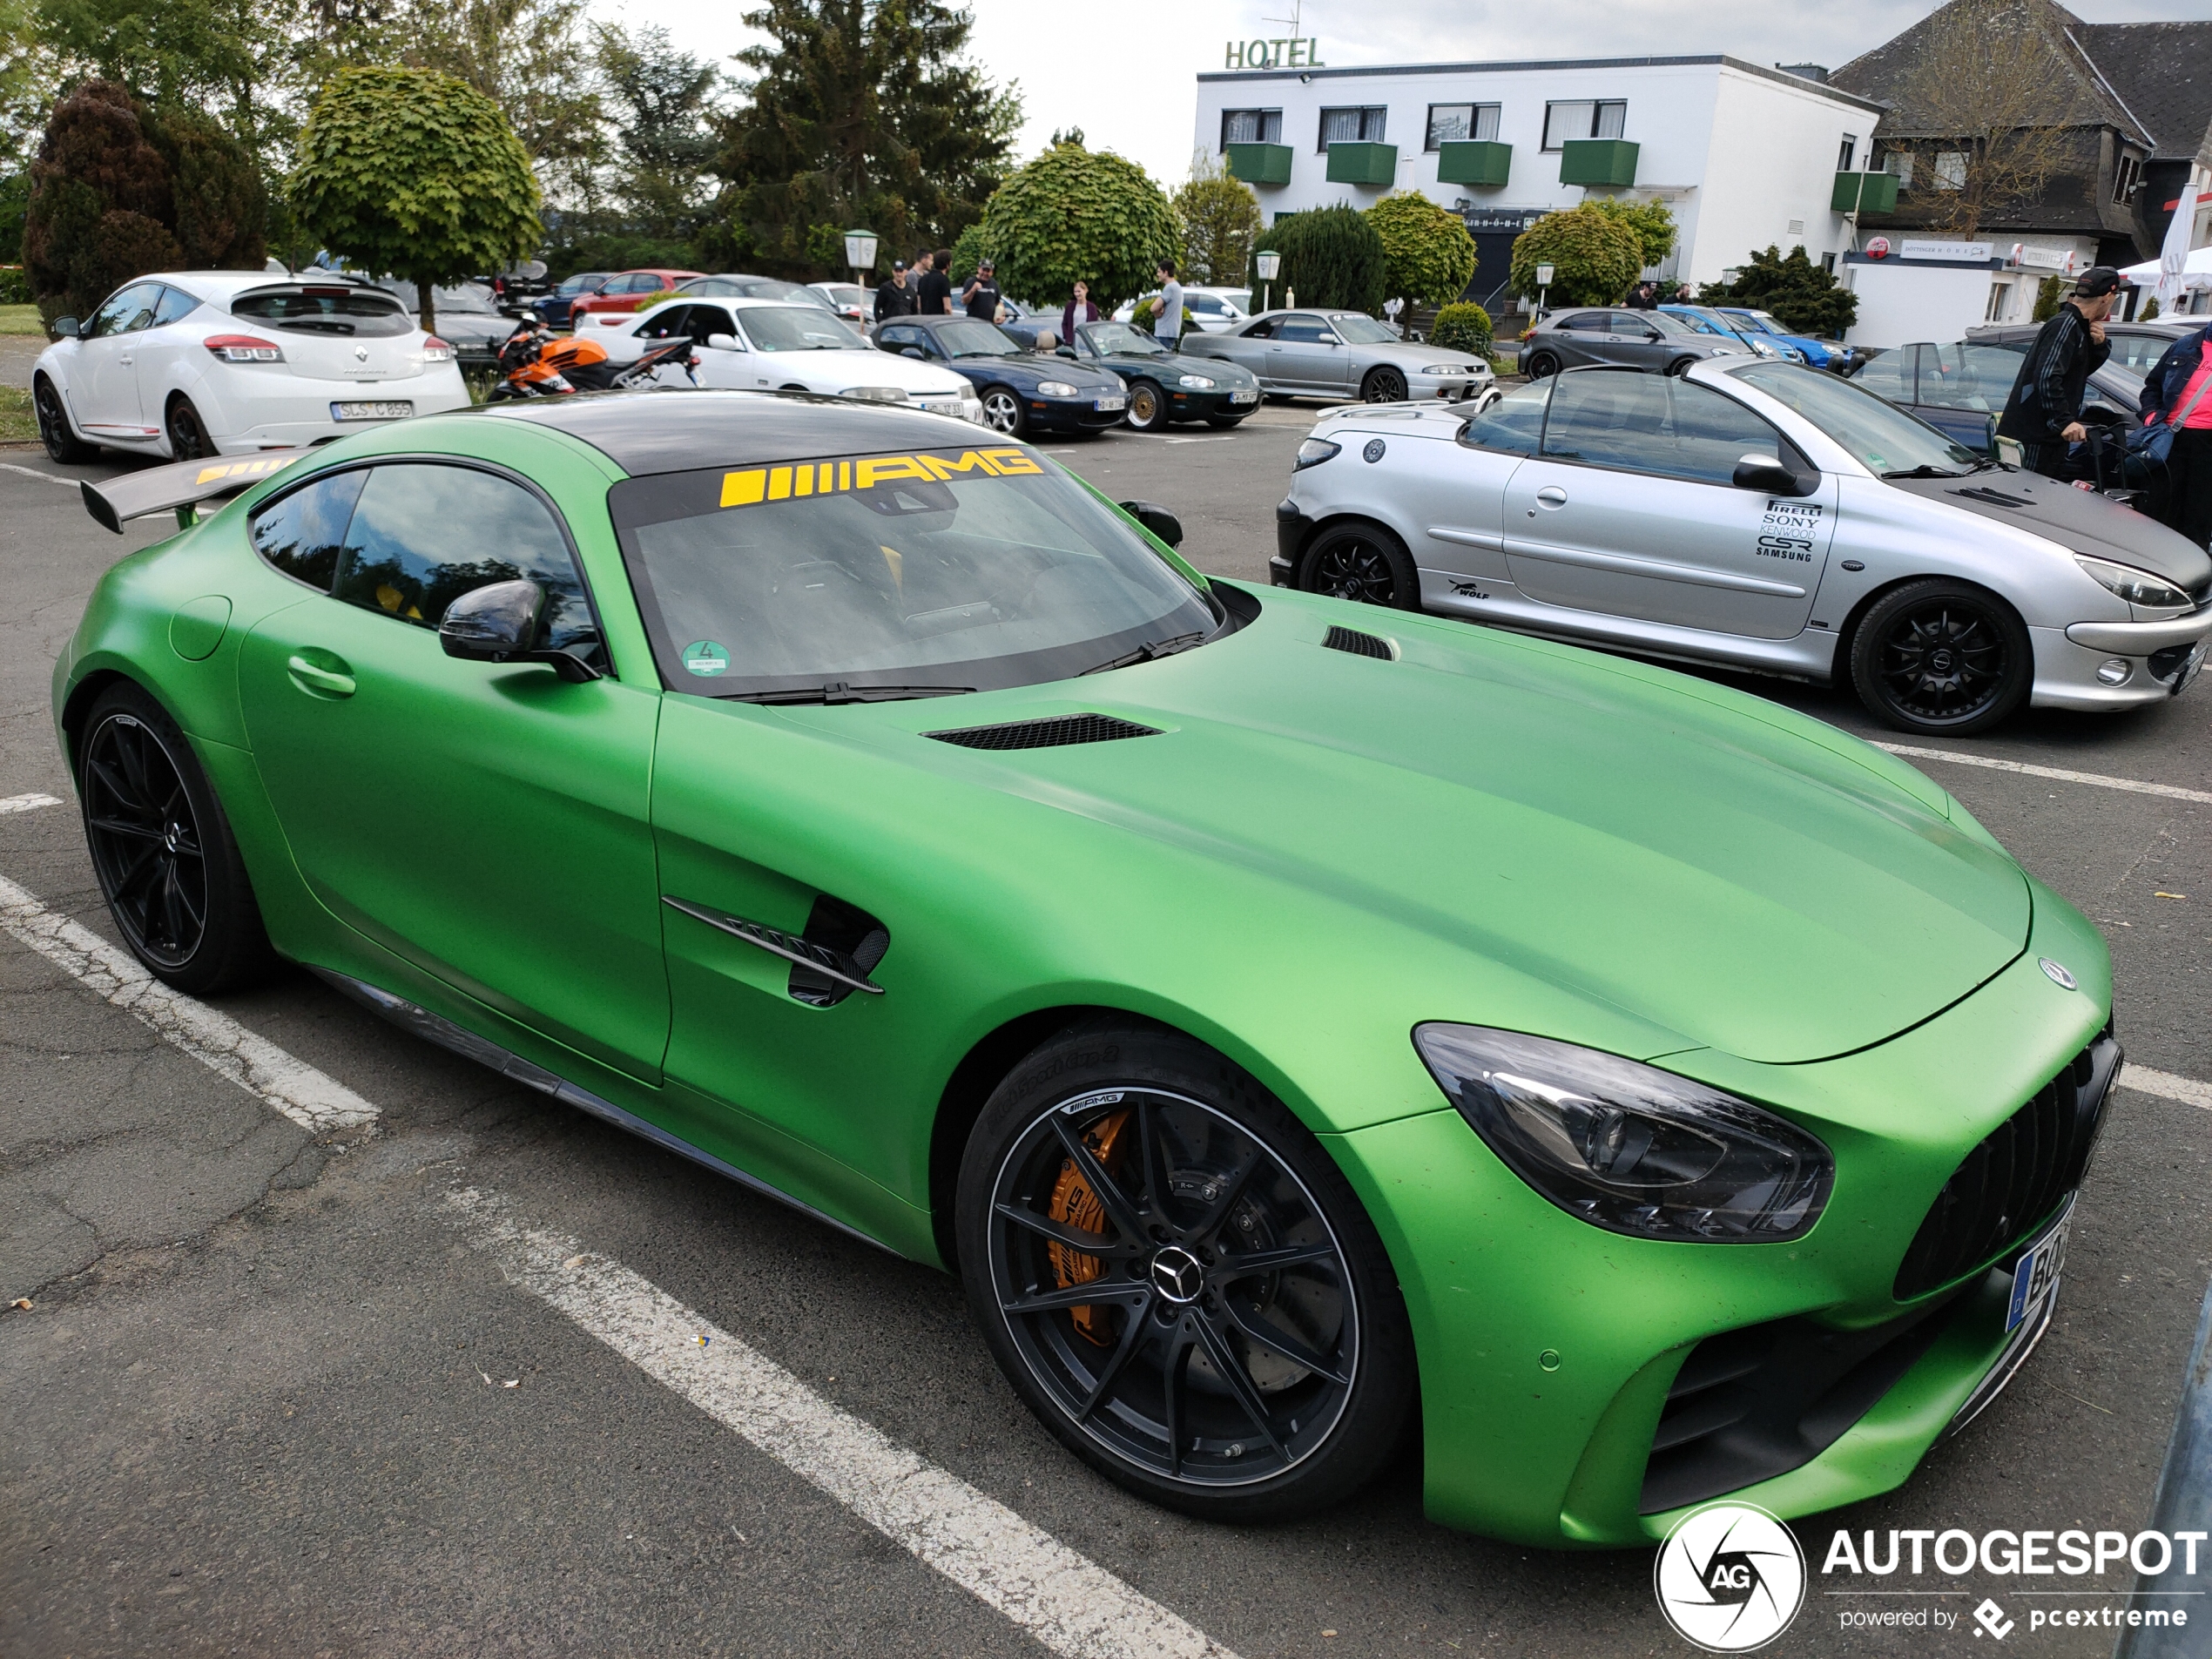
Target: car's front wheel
x=1148 y=407
x=1002 y=412
x=188 y=439
x=1543 y=366
x=1178 y=1281
x=1361 y=562
x=1384 y=384
x=1941 y=658
x=62 y=444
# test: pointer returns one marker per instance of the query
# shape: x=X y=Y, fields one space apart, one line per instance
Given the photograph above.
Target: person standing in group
x=980 y=296
x=1643 y=297
x=1077 y=310
x=893 y=297
x=1167 y=310
x=932 y=290
x=2043 y=415
x=2179 y=392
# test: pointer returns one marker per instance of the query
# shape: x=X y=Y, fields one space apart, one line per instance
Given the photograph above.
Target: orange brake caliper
x=1073 y=1203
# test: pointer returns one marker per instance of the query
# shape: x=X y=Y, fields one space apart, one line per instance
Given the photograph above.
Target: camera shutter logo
x=1729 y=1577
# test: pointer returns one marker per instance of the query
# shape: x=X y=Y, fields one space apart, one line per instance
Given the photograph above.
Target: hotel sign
x=1284 y=53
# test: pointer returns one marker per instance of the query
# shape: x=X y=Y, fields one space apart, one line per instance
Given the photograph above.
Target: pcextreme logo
x=1729 y=1577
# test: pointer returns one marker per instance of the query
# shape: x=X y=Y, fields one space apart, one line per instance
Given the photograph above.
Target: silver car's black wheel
x=1361 y=562
x=1002 y=412
x=1177 y=1280
x=1941 y=657
x=1384 y=384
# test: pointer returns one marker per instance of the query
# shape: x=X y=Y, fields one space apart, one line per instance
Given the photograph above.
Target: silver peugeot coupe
x=1758 y=516
x=1346 y=355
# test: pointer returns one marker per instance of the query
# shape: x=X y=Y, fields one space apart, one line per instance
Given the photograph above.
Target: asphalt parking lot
x=296 y=1384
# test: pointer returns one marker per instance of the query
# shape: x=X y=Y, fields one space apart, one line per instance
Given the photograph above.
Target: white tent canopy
x=2196 y=273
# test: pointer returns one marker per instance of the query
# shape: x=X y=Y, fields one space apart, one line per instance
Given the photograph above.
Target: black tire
x=1004 y=412
x=1680 y=366
x=1361 y=562
x=188 y=439
x=1277 y=397
x=1191 y=1377
x=1543 y=366
x=1225 y=422
x=62 y=444
x=1940 y=657
x=1148 y=407
x=1383 y=385
x=163 y=851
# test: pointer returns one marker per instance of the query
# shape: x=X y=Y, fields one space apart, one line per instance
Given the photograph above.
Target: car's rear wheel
x=1178 y=1281
x=1941 y=657
x=1148 y=407
x=1361 y=562
x=162 y=848
x=1002 y=412
x=188 y=439
x=1383 y=385
x=1543 y=366
x=62 y=444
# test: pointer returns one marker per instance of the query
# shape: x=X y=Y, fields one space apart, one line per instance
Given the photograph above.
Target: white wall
x=1772 y=161
x=1900 y=303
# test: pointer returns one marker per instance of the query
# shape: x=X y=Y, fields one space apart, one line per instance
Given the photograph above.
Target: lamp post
x=1269 y=266
x=1544 y=289
x=859 y=252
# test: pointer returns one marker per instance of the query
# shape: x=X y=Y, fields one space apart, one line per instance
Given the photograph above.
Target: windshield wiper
x=839 y=692
x=1147 y=653
x=1923 y=471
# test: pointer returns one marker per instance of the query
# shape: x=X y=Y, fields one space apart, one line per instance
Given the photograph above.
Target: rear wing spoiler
x=182 y=486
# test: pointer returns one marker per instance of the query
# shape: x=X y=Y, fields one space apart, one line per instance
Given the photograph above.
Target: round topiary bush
x=1462 y=327
x=1332 y=257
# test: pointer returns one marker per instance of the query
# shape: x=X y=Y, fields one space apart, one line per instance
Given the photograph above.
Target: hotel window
x=1251 y=126
x=1951 y=170
x=1847 y=153
x=1352 y=126
x=2125 y=175
x=1584 y=118
x=1448 y=122
x=1901 y=163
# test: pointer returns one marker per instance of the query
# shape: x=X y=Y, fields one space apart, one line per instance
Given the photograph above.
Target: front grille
x=1360 y=644
x=2015 y=1180
x=1055 y=733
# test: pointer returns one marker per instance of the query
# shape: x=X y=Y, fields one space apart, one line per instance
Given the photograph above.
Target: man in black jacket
x=893 y=297
x=2043 y=412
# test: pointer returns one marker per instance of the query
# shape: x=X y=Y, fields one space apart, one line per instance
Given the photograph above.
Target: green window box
x=1472 y=161
x=1260 y=164
x=1363 y=164
x=1864 y=192
x=1597 y=161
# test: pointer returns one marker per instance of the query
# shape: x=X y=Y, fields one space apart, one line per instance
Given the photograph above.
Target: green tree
x=1806 y=298
x=1429 y=257
x=1331 y=256
x=1220 y=217
x=2050 y=294
x=1081 y=213
x=1653 y=223
x=1463 y=327
x=969 y=249
x=858 y=112
x=1594 y=258
x=416 y=173
x=528 y=56
x=660 y=102
x=222 y=207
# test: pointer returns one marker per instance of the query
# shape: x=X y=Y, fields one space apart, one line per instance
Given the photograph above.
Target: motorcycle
x=537 y=362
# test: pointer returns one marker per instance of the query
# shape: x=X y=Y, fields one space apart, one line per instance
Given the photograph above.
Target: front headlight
x=876 y=394
x=1726 y=351
x=1054 y=389
x=1197 y=382
x=1313 y=452
x=1628 y=1147
x=2136 y=587
x=1447 y=368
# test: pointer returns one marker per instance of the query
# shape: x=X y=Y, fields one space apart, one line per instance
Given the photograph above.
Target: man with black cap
x=980 y=296
x=2043 y=412
x=893 y=297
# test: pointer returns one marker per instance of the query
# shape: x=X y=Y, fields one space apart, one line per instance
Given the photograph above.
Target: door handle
x=1552 y=496
x=125 y=361
x=317 y=680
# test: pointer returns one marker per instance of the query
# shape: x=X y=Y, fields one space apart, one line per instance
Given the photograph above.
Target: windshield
x=1356 y=330
x=1668 y=323
x=966 y=569
x=367 y=312
x=1700 y=325
x=1240 y=298
x=798 y=328
x=1882 y=437
x=1107 y=338
x=970 y=338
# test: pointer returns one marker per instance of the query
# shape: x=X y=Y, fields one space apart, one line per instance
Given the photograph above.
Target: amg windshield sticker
x=759 y=484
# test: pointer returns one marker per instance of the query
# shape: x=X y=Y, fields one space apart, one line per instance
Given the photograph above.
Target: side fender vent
x=1055 y=733
x=1360 y=644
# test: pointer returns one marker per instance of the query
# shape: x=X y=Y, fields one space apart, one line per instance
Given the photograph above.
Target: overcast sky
x=1122 y=70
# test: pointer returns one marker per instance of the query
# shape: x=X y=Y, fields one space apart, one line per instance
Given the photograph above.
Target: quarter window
x=1654 y=423
x=1513 y=423
x=669 y=322
x=1584 y=118
x=302 y=534
x=176 y=304
x=1448 y=123
x=1359 y=125
x=1251 y=126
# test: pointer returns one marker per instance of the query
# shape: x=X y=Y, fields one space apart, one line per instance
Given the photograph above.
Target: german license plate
x=2192 y=668
x=386 y=409
x=1247 y=395
x=1105 y=403
x=2035 y=1276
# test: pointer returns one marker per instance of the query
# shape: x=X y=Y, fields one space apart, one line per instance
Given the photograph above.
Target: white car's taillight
x=436 y=351
x=245 y=348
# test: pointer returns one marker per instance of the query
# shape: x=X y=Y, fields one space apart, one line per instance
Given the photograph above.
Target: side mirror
x=498 y=622
x=66 y=328
x=1765 y=472
x=1065 y=351
x=723 y=342
x=1157 y=519
x=914 y=352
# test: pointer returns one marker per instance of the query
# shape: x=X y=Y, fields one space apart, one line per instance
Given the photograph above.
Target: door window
x=301 y=534
x=2138 y=354
x=1263 y=329
x=1656 y=423
x=1513 y=423
x=422 y=535
x=1958 y=375
x=1588 y=322
x=1303 y=331
x=667 y=322
x=128 y=310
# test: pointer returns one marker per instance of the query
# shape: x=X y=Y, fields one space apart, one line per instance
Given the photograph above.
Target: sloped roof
x=1886 y=73
x=2163 y=72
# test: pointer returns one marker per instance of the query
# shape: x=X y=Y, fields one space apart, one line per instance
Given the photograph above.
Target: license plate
x=1247 y=396
x=2035 y=1276
x=389 y=409
x=1105 y=403
x=2192 y=668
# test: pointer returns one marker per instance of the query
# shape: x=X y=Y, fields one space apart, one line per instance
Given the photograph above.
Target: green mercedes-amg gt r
x=1285 y=1018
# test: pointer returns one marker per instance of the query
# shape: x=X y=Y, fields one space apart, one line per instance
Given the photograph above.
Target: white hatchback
x=192 y=363
x=766 y=344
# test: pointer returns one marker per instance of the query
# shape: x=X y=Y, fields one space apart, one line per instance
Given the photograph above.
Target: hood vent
x=1358 y=643
x=1056 y=732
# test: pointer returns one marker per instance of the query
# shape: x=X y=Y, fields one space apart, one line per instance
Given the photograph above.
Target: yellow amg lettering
x=844 y=474
x=779 y=483
x=1012 y=461
x=743 y=488
x=802 y=479
x=972 y=460
x=883 y=468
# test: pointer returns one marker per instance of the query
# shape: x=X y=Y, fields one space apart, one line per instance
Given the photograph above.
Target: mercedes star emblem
x=2058 y=973
x=1177 y=1275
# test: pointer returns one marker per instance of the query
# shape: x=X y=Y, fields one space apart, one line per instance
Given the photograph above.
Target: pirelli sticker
x=758 y=484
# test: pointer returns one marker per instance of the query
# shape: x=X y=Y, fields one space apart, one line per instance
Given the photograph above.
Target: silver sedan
x=1344 y=354
x=1758 y=516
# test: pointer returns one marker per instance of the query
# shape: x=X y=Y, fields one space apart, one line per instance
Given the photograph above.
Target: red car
x=629 y=291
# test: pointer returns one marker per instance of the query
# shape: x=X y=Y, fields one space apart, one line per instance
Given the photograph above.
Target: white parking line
x=2165 y=1084
x=27 y=803
x=2133 y=785
x=1070 y=1604
x=33 y=472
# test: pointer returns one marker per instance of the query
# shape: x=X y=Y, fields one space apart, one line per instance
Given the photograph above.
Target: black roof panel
x=677 y=430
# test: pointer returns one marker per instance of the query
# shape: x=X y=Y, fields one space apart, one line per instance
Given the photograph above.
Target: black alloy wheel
x=62 y=444
x=1363 y=563
x=1178 y=1281
x=1383 y=385
x=188 y=439
x=1543 y=366
x=162 y=848
x=1002 y=412
x=1148 y=407
x=1941 y=657
x=1680 y=366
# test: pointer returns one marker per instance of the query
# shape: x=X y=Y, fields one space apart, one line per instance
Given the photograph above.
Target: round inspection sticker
x=706 y=657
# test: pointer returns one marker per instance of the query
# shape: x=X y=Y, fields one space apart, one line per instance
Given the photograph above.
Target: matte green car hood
x=1748 y=878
